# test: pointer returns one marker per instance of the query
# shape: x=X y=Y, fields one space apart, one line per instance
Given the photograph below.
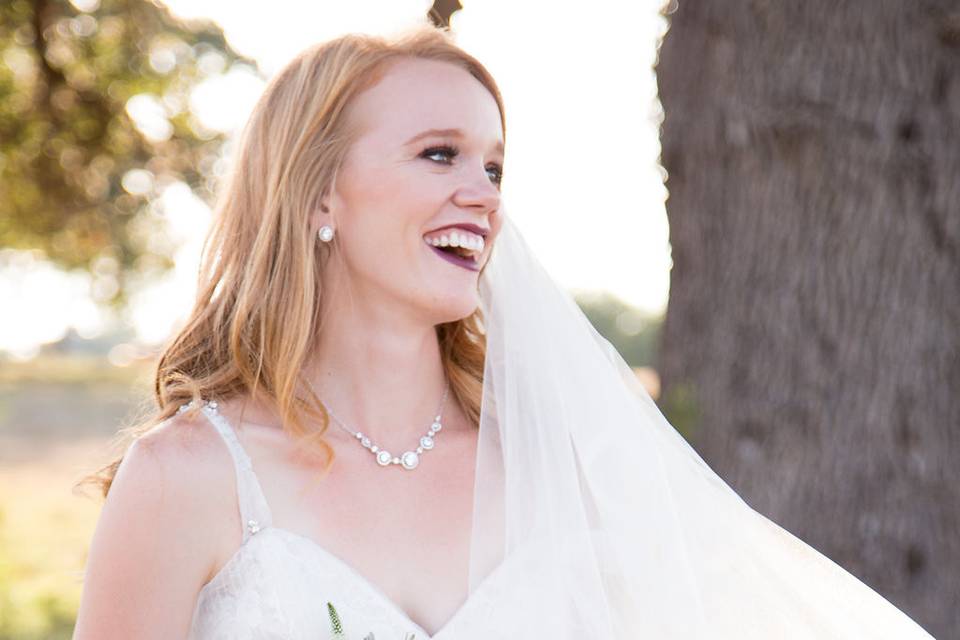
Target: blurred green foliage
x=76 y=172
x=48 y=616
x=634 y=333
x=681 y=408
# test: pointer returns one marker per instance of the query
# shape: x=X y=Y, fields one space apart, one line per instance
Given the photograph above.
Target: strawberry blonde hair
x=256 y=317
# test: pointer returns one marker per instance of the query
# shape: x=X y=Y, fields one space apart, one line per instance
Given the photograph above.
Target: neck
x=379 y=375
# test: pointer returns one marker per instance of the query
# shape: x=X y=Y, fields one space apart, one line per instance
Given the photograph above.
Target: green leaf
x=335 y=621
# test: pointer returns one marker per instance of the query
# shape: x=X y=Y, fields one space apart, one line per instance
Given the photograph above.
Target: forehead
x=414 y=95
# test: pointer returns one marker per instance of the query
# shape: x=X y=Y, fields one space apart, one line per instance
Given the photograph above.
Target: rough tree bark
x=813 y=153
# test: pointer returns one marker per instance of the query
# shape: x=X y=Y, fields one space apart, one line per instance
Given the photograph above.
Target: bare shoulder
x=190 y=469
x=184 y=462
x=160 y=534
x=186 y=442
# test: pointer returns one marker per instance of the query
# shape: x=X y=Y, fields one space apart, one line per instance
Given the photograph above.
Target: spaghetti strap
x=254 y=511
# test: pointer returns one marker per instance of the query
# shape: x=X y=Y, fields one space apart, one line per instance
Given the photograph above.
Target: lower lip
x=466 y=263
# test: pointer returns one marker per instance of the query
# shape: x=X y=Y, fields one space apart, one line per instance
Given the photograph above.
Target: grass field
x=57 y=419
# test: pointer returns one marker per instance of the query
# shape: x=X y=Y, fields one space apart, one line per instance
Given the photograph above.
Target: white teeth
x=472 y=242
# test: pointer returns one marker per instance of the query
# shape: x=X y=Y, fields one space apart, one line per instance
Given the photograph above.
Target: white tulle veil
x=594 y=518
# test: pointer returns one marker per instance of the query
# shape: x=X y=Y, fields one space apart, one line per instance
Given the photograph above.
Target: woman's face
x=401 y=185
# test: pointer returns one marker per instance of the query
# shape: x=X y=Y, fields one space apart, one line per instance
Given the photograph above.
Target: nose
x=478 y=193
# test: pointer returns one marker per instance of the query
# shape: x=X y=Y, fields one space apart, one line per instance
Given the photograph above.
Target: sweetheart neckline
x=229 y=434
x=359 y=578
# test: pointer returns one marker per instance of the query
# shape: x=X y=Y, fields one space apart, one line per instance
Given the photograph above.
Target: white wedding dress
x=277 y=583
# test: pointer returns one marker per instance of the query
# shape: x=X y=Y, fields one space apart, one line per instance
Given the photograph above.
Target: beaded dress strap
x=254 y=510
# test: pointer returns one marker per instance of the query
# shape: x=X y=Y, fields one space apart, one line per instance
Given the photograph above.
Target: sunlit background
x=581 y=174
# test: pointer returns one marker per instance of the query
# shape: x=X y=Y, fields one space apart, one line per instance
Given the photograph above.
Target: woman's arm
x=152 y=549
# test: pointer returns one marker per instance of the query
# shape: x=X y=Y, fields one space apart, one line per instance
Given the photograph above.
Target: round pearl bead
x=410 y=460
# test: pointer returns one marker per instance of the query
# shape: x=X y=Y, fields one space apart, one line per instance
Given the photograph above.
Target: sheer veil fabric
x=594 y=518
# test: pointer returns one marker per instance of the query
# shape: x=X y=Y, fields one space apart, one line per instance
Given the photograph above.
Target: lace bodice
x=277 y=583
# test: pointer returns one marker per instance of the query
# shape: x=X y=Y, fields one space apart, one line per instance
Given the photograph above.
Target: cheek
x=385 y=236
x=403 y=195
x=386 y=210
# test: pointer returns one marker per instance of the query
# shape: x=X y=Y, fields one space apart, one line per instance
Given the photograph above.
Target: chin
x=456 y=306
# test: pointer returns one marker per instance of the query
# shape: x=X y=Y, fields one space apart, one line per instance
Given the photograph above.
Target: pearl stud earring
x=326 y=233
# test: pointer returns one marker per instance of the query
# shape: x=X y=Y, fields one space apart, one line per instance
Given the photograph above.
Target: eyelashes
x=453 y=152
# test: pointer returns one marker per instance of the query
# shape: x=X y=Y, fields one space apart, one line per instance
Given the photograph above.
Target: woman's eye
x=452 y=152
x=445 y=150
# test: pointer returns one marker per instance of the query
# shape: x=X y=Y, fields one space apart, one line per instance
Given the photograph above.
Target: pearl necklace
x=410 y=459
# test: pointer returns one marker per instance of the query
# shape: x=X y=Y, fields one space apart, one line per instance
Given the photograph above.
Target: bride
x=382 y=403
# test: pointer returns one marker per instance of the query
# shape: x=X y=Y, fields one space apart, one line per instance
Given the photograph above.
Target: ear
x=320 y=216
x=326 y=205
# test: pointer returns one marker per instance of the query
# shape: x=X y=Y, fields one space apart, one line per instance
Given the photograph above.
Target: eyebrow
x=451 y=133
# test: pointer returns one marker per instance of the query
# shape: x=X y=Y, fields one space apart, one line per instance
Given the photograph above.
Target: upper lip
x=466 y=226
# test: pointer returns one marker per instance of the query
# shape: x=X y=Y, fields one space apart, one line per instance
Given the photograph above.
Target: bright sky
x=581 y=180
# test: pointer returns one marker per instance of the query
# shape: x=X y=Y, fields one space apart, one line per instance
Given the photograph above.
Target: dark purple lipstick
x=466 y=263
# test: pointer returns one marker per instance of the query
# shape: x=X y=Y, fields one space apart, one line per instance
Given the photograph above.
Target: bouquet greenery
x=338 y=628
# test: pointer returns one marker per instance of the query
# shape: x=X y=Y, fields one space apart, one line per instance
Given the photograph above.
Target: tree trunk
x=813 y=154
